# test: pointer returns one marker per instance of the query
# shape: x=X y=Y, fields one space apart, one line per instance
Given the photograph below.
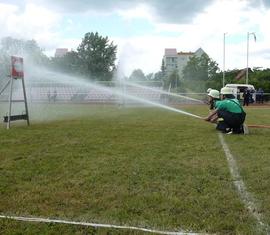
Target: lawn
x=142 y=167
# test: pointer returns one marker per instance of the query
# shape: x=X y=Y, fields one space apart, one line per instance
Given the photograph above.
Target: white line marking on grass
x=246 y=197
x=59 y=221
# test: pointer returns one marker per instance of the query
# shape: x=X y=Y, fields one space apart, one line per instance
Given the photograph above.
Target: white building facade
x=60 y=52
x=174 y=60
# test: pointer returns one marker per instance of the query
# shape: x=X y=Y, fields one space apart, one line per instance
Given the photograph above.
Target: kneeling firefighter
x=213 y=97
x=228 y=113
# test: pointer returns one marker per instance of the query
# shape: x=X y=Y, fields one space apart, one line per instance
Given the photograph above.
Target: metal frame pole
x=10 y=102
x=5 y=86
x=25 y=101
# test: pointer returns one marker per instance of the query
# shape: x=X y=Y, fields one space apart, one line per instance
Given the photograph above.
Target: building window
x=171 y=59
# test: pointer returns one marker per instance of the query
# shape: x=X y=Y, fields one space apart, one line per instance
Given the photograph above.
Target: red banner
x=17 y=67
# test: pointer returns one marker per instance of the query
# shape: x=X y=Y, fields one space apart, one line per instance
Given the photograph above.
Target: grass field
x=142 y=167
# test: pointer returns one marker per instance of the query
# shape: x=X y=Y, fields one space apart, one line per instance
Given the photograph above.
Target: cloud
x=259 y=3
x=31 y=22
x=81 y=6
x=266 y=3
x=185 y=25
x=145 y=52
x=176 y=11
x=263 y=53
x=173 y=11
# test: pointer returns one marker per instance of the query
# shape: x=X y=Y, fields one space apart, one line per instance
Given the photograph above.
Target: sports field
x=143 y=167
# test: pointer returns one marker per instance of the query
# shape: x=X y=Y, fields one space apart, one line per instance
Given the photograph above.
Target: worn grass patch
x=137 y=166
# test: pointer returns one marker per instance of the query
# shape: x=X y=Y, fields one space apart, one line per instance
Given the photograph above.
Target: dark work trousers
x=231 y=121
x=246 y=101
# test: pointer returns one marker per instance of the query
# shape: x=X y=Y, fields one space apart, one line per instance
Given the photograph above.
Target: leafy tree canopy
x=200 y=68
x=97 y=56
x=137 y=75
x=69 y=63
x=26 y=48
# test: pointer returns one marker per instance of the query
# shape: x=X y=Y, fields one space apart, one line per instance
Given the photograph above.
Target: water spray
x=162 y=91
x=132 y=97
x=67 y=79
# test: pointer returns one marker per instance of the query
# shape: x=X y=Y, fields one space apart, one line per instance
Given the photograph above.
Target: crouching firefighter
x=213 y=97
x=228 y=113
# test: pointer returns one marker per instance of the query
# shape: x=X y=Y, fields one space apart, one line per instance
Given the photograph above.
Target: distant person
x=228 y=113
x=213 y=96
x=260 y=95
x=252 y=95
x=54 y=95
x=246 y=97
x=49 y=96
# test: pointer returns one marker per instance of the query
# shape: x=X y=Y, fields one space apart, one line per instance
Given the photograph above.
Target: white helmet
x=226 y=91
x=214 y=93
x=208 y=90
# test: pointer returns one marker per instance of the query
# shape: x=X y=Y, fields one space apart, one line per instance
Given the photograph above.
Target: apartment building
x=60 y=52
x=174 y=60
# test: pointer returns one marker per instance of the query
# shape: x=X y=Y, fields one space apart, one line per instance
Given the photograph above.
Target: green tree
x=159 y=76
x=69 y=63
x=200 y=68
x=173 y=80
x=97 y=57
x=199 y=71
x=26 y=48
x=162 y=68
x=260 y=79
x=150 y=76
x=137 y=75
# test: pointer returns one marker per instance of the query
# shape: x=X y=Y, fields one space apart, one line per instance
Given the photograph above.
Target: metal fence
x=110 y=92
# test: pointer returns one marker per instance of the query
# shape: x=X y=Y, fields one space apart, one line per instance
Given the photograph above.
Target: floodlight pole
x=223 y=79
x=247 y=57
x=248 y=33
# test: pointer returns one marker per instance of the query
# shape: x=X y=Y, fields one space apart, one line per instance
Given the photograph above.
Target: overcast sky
x=143 y=29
